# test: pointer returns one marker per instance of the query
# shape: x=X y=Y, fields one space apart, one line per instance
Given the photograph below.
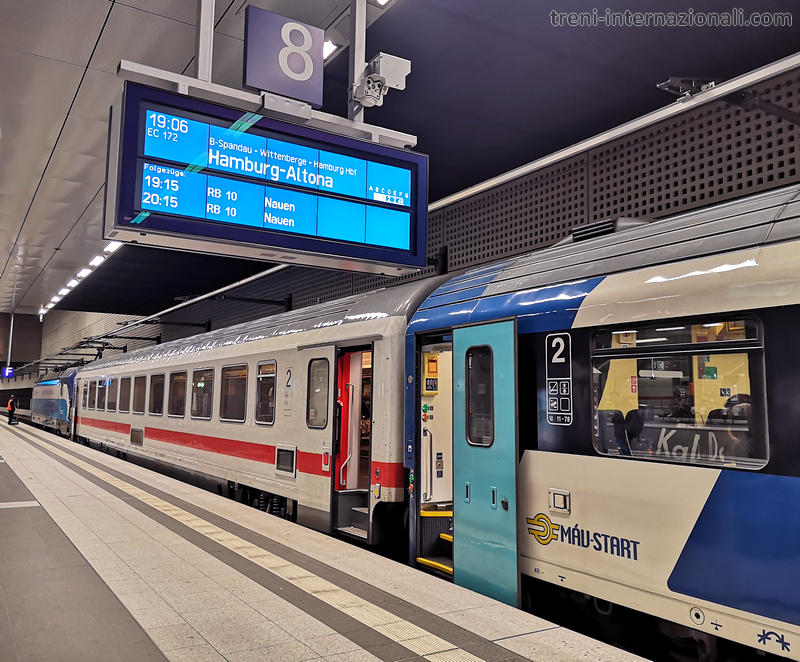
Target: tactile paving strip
x=425 y=644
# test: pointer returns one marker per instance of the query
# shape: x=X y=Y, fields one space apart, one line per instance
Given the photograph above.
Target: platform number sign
x=283 y=56
x=558 y=361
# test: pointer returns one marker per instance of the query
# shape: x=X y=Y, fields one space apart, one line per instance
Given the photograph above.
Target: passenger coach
x=613 y=421
x=300 y=413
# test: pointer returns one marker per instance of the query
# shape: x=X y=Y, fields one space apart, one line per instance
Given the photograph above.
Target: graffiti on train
x=545 y=531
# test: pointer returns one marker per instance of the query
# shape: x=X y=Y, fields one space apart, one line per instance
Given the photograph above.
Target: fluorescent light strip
x=83 y=273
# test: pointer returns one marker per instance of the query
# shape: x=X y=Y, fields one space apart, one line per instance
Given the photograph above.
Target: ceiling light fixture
x=63 y=291
x=97 y=261
x=42 y=311
x=49 y=306
x=84 y=272
x=113 y=246
x=72 y=283
x=55 y=299
x=328 y=49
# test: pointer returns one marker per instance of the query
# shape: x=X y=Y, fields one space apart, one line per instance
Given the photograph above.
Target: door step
x=436 y=513
x=353 y=531
x=440 y=563
x=446 y=536
x=364 y=510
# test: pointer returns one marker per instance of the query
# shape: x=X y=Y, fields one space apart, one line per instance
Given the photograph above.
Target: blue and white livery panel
x=649 y=415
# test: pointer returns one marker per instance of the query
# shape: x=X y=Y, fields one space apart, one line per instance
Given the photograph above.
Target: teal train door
x=485 y=460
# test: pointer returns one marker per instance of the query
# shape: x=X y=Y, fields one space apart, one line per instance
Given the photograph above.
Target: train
x=51 y=402
x=604 y=429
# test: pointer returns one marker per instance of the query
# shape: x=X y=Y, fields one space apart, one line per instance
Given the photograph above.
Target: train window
x=139 y=393
x=659 y=395
x=85 y=394
x=317 y=402
x=156 y=407
x=202 y=393
x=233 y=398
x=265 y=392
x=92 y=394
x=176 y=402
x=124 y=395
x=111 y=404
x=101 y=395
x=480 y=396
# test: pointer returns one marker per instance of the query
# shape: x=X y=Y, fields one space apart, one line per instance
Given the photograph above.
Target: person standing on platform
x=12 y=407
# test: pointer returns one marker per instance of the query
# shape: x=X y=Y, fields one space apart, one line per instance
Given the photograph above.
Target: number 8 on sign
x=301 y=50
x=283 y=56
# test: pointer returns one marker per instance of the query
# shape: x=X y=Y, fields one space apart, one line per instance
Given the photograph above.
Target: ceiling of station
x=493 y=85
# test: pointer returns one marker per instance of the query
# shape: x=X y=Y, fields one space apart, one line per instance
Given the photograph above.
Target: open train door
x=485 y=460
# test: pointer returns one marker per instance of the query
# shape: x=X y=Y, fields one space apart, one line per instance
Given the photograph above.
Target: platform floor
x=103 y=560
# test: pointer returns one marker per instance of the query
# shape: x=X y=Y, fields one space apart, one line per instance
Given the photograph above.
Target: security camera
x=382 y=72
x=393 y=69
x=371 y=90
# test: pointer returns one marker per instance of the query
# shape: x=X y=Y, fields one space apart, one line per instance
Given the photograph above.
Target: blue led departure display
x=185 y=191
x=190 y=174
x=230 y=150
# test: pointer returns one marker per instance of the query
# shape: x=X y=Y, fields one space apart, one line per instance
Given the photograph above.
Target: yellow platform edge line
x=436 y=513
x=446 y=536
x=435 y=564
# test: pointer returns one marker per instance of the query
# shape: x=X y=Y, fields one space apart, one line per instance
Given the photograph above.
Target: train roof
x=556 y=280
x=395 y=301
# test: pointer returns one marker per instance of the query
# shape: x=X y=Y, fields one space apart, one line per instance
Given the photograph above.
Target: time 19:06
x=165 y=122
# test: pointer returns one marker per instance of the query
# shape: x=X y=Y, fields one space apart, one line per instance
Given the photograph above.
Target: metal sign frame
x=239 y=241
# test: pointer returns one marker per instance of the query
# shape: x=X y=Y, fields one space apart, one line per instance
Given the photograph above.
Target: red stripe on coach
x=392 y=474
x=112 y=426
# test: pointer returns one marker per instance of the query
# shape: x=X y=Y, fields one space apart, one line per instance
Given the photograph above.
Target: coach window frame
x=92 y=391
x=112 y=381
x=274 y=362
x=85 y=401
x=168 y=392
x=104 y=383
x=133 y=395
x=759 y=421
x=470 y=398
x=119 y=395
x=246 y=366
x=191 y=394
x=327 y=393
x=150 y=393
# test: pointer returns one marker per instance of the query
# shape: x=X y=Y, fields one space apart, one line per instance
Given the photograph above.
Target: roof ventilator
x=602 y=228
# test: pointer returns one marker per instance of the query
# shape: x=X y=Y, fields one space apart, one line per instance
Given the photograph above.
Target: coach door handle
x=427 y=496
x=342 y=481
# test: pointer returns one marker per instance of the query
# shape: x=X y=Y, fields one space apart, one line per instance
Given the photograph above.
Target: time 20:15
x=157 y=200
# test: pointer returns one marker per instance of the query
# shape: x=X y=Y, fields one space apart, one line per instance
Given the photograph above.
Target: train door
x=435 y=548
x=352 y=451
x=485 y=460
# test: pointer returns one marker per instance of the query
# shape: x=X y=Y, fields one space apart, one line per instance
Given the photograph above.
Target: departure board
x=211 y=172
